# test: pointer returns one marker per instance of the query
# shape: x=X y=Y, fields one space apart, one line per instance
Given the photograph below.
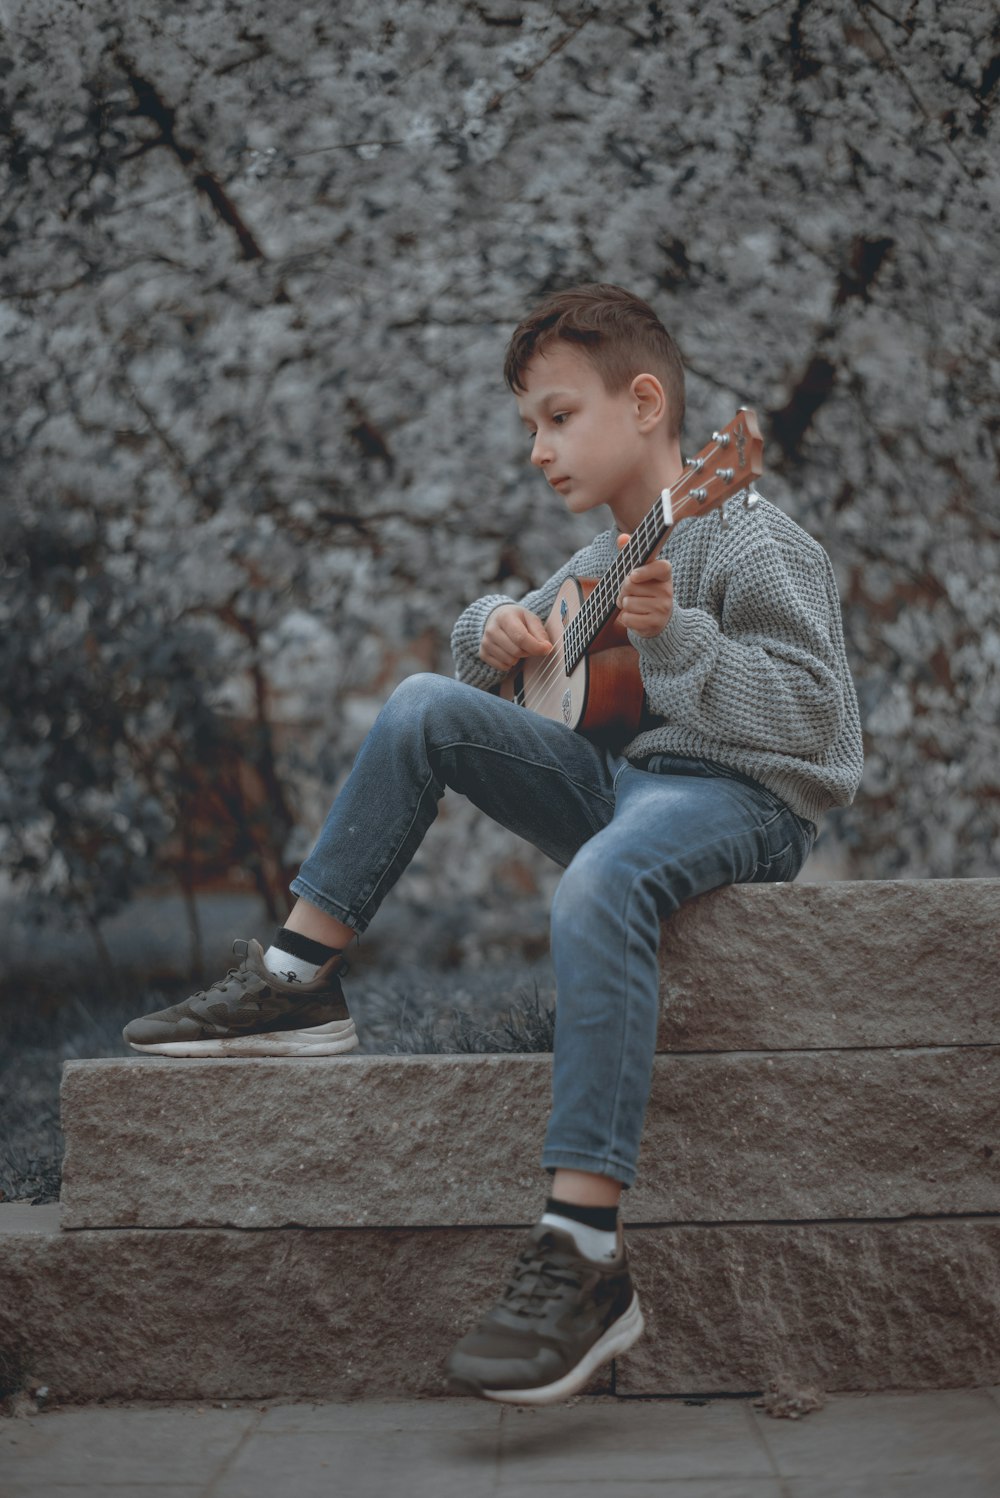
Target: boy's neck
x=631 y=510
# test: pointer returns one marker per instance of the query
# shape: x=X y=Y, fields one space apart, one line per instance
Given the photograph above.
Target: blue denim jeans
x=635 y=843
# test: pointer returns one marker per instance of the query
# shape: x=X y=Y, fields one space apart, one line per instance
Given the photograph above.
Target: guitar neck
x=646 y=539
x=703 y=486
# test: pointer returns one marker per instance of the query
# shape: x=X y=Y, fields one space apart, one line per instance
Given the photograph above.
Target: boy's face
x=588 y=443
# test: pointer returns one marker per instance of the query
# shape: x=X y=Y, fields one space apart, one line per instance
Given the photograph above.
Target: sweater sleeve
x=467 y=635
x=761 y=672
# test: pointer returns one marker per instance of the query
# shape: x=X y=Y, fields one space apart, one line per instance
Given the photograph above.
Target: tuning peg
x=751 y=498
x=722 y=438
x=723 y=518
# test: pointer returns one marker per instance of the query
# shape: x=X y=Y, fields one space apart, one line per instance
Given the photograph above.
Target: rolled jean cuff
x=557 y=1159
x=339 y=912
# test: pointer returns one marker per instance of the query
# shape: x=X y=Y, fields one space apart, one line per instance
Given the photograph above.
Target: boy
x=750 y=733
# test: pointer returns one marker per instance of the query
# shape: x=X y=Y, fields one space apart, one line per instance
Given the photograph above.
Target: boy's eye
x=557 y=419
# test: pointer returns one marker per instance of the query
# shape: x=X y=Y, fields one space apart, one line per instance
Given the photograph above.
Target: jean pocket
x=785 y=864
x=780 y=867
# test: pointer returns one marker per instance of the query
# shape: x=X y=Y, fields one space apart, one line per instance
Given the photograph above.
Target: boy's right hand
x=511 y=633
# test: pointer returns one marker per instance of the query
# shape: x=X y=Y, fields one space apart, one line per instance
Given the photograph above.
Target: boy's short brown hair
x=620 y=334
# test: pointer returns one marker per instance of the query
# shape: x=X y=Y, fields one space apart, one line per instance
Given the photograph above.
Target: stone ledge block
x=328 y=1314
x=400 y=1141
x=909 y=962
x=847 y=1305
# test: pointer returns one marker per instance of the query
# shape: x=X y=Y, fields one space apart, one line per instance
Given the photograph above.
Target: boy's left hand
x=647 y=597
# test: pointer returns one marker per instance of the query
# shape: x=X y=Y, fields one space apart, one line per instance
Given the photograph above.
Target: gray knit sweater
x=751 y=670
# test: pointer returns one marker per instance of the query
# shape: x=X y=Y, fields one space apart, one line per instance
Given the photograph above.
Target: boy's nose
x=540 y=453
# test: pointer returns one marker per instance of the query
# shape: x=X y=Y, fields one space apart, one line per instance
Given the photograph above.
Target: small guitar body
x=602 y=695
x=590 y=679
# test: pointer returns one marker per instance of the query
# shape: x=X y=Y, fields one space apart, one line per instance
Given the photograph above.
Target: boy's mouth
x=562 y=479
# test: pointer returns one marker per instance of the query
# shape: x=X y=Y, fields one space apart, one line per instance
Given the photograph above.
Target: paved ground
x=934 y=1445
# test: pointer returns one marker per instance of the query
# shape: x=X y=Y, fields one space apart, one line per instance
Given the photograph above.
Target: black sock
x=604 y=1219
x=304 y=947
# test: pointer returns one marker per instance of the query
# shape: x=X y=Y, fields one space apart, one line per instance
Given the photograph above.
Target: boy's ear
x=650 y=401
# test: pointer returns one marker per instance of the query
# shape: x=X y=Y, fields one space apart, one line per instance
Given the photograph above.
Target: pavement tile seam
x=227 y=1462
x=893 y=1436
x=151 y=1450
x=378 y=1462
x=759 y=1435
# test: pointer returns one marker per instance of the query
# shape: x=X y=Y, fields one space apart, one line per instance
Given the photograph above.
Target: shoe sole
x=322 y=1040
x=620 y=1336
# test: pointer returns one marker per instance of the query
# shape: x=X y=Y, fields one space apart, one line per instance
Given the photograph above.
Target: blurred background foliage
x=259 y=267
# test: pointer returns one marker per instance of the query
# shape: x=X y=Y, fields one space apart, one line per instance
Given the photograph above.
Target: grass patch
x=528 y=1024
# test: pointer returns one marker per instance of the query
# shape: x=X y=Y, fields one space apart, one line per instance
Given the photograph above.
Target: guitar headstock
x=727 y=464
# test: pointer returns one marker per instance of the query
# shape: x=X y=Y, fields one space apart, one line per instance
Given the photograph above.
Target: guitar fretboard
x=704 y=485
x=646 y=539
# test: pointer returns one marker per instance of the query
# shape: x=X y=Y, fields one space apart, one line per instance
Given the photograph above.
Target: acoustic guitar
x=590 y=679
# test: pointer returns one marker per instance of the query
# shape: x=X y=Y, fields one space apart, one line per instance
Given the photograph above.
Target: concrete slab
x=400 y=1141
x=169 y=1447
x=655 y=1443
x=903 y=1445
x=427 y=1463
x=881 y=1486
x=377 y=1417
x=954 y=1435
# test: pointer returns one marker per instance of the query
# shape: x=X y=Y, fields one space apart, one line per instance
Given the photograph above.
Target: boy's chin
x=578 y=501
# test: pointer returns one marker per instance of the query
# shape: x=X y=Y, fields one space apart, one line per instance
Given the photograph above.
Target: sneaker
x=560 y=1317
x=252 y=1012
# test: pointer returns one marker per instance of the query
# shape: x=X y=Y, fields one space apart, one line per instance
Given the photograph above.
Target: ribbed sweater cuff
x=688 y=633
x=467 y=637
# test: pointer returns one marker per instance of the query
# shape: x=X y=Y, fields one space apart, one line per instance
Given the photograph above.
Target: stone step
x=324 y=1314
x=397 y=1141
x=794 y=966
x=819 y=1192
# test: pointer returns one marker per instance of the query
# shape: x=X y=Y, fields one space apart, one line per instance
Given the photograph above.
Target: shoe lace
x=241 y=972
x=536 y=1279
x=234 y=972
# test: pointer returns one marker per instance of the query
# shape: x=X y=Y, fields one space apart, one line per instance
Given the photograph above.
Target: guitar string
x=556 y=664
x=651 y=532
x=625 y=561
x=648 y=531
x=645 y=533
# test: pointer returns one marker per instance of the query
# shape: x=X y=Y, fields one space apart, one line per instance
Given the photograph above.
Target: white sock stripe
x=594 y=1244
x=292 y=969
